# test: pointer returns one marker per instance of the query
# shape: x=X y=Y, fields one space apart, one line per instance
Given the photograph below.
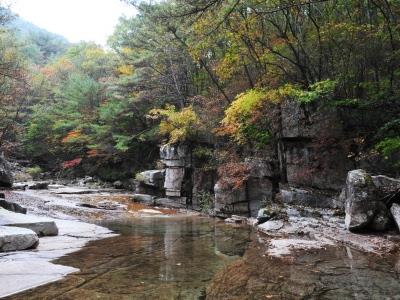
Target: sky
x=77 y=20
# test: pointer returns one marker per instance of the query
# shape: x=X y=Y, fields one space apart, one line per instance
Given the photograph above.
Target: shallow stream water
x=152 y=258
x=195 y=258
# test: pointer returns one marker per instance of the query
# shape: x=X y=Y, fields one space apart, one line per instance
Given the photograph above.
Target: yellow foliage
x=126 y=70
x=179 y=126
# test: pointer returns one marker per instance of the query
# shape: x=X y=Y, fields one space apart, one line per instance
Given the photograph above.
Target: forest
x=212 y=149
x=209 y=73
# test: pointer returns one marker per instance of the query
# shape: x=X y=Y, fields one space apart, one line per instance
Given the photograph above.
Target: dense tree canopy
x=204 y=69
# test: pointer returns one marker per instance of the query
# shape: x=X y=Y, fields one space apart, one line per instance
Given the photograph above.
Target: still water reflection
x=152 y=258
x=191 y=258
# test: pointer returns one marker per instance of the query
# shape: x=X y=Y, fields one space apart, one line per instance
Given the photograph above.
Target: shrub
x=205 y=200
x=34 y=171
x=233 y=175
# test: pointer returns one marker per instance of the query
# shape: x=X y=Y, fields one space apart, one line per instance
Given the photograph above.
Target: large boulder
x=6 y=178
x=362 y=201
x=154 y=178
x=12 y=239
x=368 y=199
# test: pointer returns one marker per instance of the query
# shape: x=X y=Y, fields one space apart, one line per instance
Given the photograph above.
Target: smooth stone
x=13 y=239
x=41 y=226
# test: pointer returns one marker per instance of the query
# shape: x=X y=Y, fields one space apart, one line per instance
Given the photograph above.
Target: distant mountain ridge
x=38 y=44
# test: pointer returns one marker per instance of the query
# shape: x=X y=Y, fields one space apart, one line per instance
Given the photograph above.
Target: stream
x=193 y=257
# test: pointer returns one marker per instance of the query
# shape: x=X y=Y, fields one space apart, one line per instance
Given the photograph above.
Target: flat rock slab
x=20 y=276
x=281 y=247
x=27 y=269
x=12 y=239
x=41 y=226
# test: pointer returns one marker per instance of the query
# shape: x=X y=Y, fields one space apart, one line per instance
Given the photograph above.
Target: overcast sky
x=89 y=20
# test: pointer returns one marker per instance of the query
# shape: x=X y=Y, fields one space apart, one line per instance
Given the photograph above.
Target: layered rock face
x=258 y=190
x=306 y=164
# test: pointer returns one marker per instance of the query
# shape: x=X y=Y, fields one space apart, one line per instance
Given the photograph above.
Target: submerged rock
x=6 y=178
x=12 y=239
